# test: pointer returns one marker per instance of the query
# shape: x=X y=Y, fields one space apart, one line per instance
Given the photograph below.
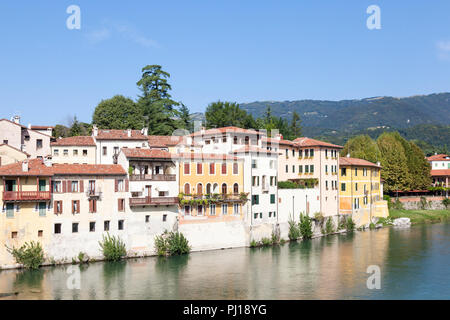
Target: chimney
x=145 y=131
x=378 y=163
x=29 y=126
x=25 y=166
x=348 y=155
x=189 y=141
x=95 y=130
x=16 y=119
x=202 y=130
x=129 y=132
x=48 y=161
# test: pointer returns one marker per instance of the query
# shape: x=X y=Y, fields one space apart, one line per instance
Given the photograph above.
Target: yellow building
x=211 y=188
x=360 y=190
x=25 y=202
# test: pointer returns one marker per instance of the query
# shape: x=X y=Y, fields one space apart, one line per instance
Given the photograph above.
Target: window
x=326 y=153
x=199 y=210
x=5 y=141
x=272 y=198
x=212 y=209
x=311 y=153
x=57 y=228
x=187 y=168
x=164 y=217
x=224 y=139
x=306 y=153
x=187 y=210
x=121 y=205
x=84 y=153
x=57 y=206
x=92 y=205
x=235 y=140
x=300 y=169
x=212 y=168
x=120 y=225
x=106 y=225
x=235 y=188
x=311 y=168
x=38 y=143
x=235 y=208
x=57 y=186
x=343 y=172
x=91 y=226
x=199 y=168
x=199 y=189
x=40 y=233
x=326 y=168
x=235 y=168
x=42 y=209
x=356 y=172
x=187 y=188
x=356 y=203
x=224 y=188
x=326 y=185
x=287 y=153
x=56 y=152
x=365 y=172
x=255 y=199
x=287 y=168
x=75 y=227
x=75 y=206
x=116 y=150
x=75 y=152
x=342 y=186
x=293 y=169
x=14 y=234
x=293 y=152
x=105 y=151
x=208 y=188
x=306 y=168
x=356 y=186
x=255 y=216
x=147 y=219
x=224 y=168
x=120 y=185
x=300 y=153
x=74 y=186
x=224 y=209
x=65 y=152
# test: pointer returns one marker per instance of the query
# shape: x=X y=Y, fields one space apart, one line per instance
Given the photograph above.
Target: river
x=414 y=264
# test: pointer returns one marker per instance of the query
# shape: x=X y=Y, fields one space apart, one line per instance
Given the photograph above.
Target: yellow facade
x=200 y=183
x=29 y=220
x=360 y=193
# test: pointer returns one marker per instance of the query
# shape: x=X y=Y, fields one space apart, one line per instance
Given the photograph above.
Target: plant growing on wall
x=30 y=255
x=113 y=248
x=329 y=227
x=350 y=224
x=305 y=226
x=294 y=231
x=446 y=202
x=171 y=243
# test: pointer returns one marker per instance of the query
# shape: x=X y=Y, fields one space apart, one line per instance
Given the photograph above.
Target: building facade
x=76 y=150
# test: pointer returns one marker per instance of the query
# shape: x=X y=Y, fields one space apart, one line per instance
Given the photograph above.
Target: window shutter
x=78 y=206
x=94 y=205
x=116 y=185
x=126 y=185
x=90 y=205
x=73 y=211
x=55 y=207
x=64 y=190
x=81 y=185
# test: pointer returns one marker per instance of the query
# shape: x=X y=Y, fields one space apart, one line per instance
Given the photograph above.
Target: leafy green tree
x=224 y=114
x=76 y=129
x=61 y=131
x=185 y=121
x=362 y=147
x=393 y=160
x=295 y=128
x=118 y=112
x=156 y=103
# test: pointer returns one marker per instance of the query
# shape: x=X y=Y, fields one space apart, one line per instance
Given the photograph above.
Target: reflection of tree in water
x=29 y=279
x=113 y=272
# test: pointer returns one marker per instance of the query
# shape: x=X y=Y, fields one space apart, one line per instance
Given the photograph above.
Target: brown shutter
x=94 y=205
x=118 y=204
x=63 y=186
x=55 y=210
x=90 y=205
x=73 y=211
x=116 y=185
x=81 y=185
x=78 y=206
x=126 y=185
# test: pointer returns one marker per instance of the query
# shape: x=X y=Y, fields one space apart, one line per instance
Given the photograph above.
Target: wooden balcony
x=153 y=201
x=153 y=177
x=26 y=195
x=219 y=197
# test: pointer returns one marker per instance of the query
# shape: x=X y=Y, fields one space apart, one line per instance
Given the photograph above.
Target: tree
x=185 y=121
x=75 y=129
x=295 y=128
x=158 y=108
x=61 y=131
x=224 y=114
x=118 y=112
x=362 y=147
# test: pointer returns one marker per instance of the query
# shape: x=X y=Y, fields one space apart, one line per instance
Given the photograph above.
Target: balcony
x=153 y=177
x=153 y=201
x=94 y=193
x=26 y=195
x=213 y=198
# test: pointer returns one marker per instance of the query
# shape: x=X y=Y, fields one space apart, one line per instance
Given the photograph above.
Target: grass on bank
x=420 y=216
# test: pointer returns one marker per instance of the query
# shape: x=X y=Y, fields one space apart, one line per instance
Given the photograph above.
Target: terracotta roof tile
x=24 y=127
x=88 y=169
x=41 y=127
x=114 y=134
x=74 y=141
x=35 y=168
x=278 y=141
x=346 y=161
x=439 y=157
x=308 y=142
x=441 y=172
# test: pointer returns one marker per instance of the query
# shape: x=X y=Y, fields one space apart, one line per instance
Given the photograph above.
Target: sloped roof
x=278 y=141
x=147 y=153
x=88 y=169
x=114 y=134
x=439 y=157
x=9 y=146
x=41 y=127
x=74 y=141
x=35 y=168
x=308 y=142
x=442 y=172
x=346 y=161
x=24 y=127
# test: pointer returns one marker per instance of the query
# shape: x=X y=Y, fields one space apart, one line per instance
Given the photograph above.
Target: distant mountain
x=362 y=114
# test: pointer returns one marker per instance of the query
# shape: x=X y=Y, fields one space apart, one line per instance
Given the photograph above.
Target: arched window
x=187 y=188
x=235 y=168
x=224 y=188
x=235 y=188
x=215 y=188
x=199 y=188
x=208 y=188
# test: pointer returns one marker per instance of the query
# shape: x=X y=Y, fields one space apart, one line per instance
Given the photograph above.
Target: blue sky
x=239 y=51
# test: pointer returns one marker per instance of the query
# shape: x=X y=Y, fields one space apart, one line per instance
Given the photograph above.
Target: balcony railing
x=26 y=195
x=153 y=177
x=220 y=197
x=153 y=201
x=94 y=193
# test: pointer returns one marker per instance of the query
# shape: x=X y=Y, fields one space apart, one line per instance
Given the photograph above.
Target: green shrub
x=287 y=185
x=171 y=243
x=388 y=199
x=446 y=202
x=305 y=226
x=423 y=204
x=30 y=255
x=113 y=248
x=371 y=226
x=294 y=231
x=350 y=224
x=266 y=242
x=254 y=244
x=329 y=227
x=83 y=257
x=397 y=205
x=275 y=238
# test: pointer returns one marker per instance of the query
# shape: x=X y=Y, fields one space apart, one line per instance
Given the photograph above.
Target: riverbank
x=421 y=216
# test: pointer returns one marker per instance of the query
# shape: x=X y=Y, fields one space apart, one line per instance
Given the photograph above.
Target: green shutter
x=10 y=210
